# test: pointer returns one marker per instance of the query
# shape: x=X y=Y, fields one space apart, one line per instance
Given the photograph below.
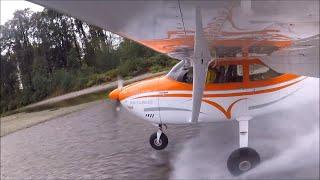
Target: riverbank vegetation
x=45 y=54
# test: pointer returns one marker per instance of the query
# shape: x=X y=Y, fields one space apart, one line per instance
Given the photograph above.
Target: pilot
x=188 y=76
x=220 y=74
x=211 y=75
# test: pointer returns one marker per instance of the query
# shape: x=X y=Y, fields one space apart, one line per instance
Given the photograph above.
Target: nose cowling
x=114 y=95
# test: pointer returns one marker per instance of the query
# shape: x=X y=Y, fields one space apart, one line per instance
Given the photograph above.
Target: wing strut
x=201 y=61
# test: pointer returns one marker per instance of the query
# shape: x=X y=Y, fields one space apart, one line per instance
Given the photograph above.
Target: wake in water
x=287 y=141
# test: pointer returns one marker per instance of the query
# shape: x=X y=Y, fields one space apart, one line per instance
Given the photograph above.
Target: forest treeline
x=44 y=54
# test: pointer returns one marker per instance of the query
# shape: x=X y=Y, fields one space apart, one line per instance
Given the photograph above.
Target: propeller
x=114 y=95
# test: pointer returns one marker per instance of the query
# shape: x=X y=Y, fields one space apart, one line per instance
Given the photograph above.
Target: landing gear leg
x=243 y=159
x=158 y=140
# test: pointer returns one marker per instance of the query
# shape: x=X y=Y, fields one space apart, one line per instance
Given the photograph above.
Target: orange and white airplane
x=239 y=59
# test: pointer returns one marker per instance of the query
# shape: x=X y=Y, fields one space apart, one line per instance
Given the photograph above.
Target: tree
x=48 y=53
x=9 y=84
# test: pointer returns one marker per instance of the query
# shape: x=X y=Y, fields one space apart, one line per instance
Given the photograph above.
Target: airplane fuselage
x=164 y=100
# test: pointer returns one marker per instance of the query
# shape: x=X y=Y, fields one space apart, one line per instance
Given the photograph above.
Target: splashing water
x=287 y=141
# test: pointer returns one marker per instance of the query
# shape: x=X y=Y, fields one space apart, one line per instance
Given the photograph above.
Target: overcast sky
x=9 y=6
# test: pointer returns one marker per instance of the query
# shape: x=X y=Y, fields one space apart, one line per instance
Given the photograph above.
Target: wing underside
x=271 y=29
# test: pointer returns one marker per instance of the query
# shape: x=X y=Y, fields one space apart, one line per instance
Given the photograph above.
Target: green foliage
x=62 y=80
x=41 y=85
x=108 y=76
x=46 y=53
x=9 y=84
x=133 y=67
x=73 y=61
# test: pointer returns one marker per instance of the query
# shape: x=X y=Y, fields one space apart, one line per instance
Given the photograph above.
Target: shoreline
x=51 y=108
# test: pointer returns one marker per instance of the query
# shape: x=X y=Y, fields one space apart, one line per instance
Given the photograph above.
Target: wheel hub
x=244 y=165
x=157 y=143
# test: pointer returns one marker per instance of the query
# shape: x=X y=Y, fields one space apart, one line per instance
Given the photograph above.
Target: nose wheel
x=158 y=140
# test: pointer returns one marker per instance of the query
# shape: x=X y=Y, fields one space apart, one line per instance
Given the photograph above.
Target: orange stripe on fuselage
x=227 y=112
x=224 y=95
x=167 y=84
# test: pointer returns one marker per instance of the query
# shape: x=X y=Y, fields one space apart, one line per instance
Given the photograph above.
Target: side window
x=259 y=72
x=224 y=74
x=216 y=74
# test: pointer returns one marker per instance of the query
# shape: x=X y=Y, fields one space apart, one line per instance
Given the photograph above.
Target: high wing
x=301 y=57
x=198 y=31
x=260 y=27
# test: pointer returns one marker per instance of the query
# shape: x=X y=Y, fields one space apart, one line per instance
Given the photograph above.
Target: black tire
x=163 y=141
x=242 y=160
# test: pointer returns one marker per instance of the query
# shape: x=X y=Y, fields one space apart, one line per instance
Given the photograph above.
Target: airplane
x=238 y=59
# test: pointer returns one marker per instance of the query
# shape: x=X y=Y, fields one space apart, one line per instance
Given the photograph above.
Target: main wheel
x=163 y=141
x=242 y=160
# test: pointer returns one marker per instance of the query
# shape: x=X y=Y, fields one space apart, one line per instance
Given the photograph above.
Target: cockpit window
x=216 y=74
x=224 y=74
x=259 y=72
x=185 y=75
x=188 y=76
x=182 y=73
x=228 y=73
